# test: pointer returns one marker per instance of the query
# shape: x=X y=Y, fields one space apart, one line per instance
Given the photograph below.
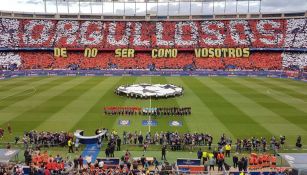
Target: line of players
x=165 y=111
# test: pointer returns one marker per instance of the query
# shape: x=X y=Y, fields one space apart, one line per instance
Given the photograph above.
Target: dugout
x=297 y=161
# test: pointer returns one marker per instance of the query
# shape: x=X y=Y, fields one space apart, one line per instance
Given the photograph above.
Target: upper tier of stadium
x=272 y=41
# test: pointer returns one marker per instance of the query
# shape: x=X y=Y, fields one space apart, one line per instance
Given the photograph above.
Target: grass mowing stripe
x=299 y=104
x=201 y=119
x=10 y=81
x=282 y=109
x=265 y=117
x=42 y=95
x=19 y=96
x=296 y=83
x=78 y=99
x=280 y=88
x=233 y=118
x=17 y=84
x=31 y=119
x=289 y=86
x=9 y=91
x=170 y=102
x=95 y=118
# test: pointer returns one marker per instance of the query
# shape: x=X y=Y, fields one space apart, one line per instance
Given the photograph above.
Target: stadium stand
x=274 y=43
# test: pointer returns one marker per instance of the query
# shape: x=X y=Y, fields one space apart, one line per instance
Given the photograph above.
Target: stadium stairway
x=90 y=151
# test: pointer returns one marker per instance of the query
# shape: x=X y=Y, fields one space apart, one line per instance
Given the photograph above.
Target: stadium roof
x=153 y=7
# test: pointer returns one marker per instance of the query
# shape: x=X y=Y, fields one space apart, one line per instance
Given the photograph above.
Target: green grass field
x=238 y=107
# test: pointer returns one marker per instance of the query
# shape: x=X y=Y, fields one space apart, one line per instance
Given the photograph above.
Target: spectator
x=76 y=162
x=80 y=160
x=9 y=128
x=118 y=143
x=156 y=164
x=235 y=160
x=240 y=164
x=8 y=146
x=212 y=163
x=1 y=133
x=199 y=154
x=70 y=146
x=245 y=163
x=298 y=142
x=227 y=149
x=164 y=152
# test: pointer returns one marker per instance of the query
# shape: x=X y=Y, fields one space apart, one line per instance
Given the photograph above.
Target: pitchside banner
x=188 y=162
x=20 y=73
x=149 y=123
x=109 y=161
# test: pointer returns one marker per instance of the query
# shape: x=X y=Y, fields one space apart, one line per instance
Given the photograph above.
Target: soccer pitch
x=238 y=107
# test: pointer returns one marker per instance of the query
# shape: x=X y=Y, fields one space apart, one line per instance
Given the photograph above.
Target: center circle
x=145 y=90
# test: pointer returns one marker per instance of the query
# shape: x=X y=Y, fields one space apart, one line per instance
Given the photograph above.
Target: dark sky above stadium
x=267 y=6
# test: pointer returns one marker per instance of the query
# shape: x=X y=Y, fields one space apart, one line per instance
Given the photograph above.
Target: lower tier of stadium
x=143 y=60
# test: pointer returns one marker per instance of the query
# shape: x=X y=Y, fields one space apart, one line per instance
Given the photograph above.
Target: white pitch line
x=149 y=117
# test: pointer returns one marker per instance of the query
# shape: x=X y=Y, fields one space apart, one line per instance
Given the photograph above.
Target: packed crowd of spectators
x=128 y=165
x=176 y=141
x=256 y=61
x=143 y=36
x=294 y=59
x=43 y=163
x=262 y=33
x=14 y=169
